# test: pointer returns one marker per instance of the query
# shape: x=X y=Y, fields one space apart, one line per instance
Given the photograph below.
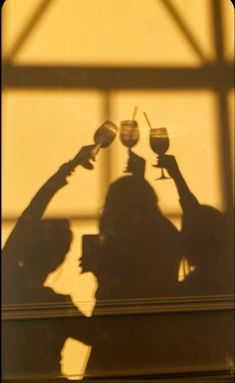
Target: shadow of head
x=130 y=203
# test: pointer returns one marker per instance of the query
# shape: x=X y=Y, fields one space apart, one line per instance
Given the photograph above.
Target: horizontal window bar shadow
x=82 y=217
x=77 y=217
x=214 y=76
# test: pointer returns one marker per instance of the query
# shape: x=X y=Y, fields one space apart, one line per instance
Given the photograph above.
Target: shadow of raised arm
x=187 y=198
x=38 y=204
x=30 y=233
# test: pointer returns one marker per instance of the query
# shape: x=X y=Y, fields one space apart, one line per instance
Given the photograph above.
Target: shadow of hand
x=84 y=156
x=135 y=164
x=169 y=163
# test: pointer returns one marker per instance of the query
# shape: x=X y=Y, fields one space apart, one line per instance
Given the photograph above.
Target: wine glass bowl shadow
x=105 y=134
x=129 y=134
x=159 y=143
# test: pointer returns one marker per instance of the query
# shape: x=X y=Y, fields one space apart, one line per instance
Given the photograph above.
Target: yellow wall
x=44 y=128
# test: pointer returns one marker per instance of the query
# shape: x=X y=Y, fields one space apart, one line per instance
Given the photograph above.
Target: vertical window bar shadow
x=5 y=13
x=224 y=148
x=106 y=173
x=222 y=109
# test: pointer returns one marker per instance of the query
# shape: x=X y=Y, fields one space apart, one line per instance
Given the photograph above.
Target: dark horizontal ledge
x=119 y=307
x=218 y=373
x=214 y=76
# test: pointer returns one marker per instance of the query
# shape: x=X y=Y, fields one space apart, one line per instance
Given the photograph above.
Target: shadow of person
x=208 y=246
x=36 y=247
x=33 y=345
x=134 y=257
x=139 y=253
x=207 y=240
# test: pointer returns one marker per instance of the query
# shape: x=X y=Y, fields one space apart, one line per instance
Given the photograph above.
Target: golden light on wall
x=189 y=118
x=46 y=130
x=125 y=33
x=44 y=127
